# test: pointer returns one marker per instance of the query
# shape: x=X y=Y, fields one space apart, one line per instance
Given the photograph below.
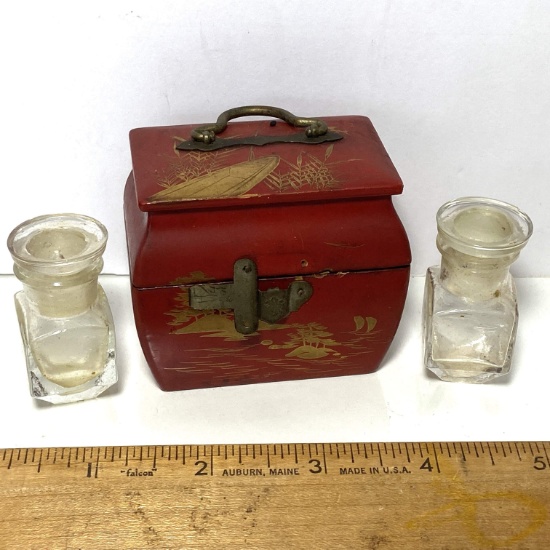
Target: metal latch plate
x=250 y=305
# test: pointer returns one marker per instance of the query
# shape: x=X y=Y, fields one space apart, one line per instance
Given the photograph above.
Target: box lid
x=253 y=163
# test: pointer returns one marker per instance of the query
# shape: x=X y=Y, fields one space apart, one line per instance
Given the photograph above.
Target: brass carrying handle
x=207 y=134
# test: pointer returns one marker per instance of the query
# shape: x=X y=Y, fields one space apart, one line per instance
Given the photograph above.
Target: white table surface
x=400 y=402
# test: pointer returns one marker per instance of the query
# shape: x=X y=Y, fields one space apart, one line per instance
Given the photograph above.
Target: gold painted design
x=306 y=342
x=190 y=165
x=360 y=323
x=311 y=341
x=231 y=181
x=308 y=171
x=201 y=175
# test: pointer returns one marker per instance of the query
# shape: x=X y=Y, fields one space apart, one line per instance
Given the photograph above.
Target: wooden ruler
x=332 y=495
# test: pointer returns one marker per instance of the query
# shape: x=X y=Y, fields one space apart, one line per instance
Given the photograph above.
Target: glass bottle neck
x=475 y=279
x=61 y=295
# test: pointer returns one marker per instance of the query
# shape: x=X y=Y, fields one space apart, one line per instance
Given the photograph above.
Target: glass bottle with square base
x=470 y=305
x=64 y=317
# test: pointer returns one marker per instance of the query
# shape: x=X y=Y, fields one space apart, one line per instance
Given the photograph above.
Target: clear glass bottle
x=470 y=307
x=65 y=319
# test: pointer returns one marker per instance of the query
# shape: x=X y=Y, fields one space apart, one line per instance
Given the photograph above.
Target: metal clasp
x=250 y=305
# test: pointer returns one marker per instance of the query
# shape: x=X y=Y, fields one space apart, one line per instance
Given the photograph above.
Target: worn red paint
x=319 y=212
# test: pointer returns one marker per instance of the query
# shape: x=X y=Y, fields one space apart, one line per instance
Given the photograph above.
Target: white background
x=459 y=93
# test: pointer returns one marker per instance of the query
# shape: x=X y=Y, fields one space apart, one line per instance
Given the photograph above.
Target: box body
x=317 y=214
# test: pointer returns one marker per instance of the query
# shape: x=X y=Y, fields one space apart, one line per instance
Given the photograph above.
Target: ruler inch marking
x=436 y=459
x=93 y=457
x=490 y=454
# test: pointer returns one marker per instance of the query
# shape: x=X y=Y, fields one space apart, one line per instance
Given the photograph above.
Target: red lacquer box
x=264 y=250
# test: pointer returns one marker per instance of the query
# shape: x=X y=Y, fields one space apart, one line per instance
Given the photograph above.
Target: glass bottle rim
x=517 y=227
x=95 y=232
